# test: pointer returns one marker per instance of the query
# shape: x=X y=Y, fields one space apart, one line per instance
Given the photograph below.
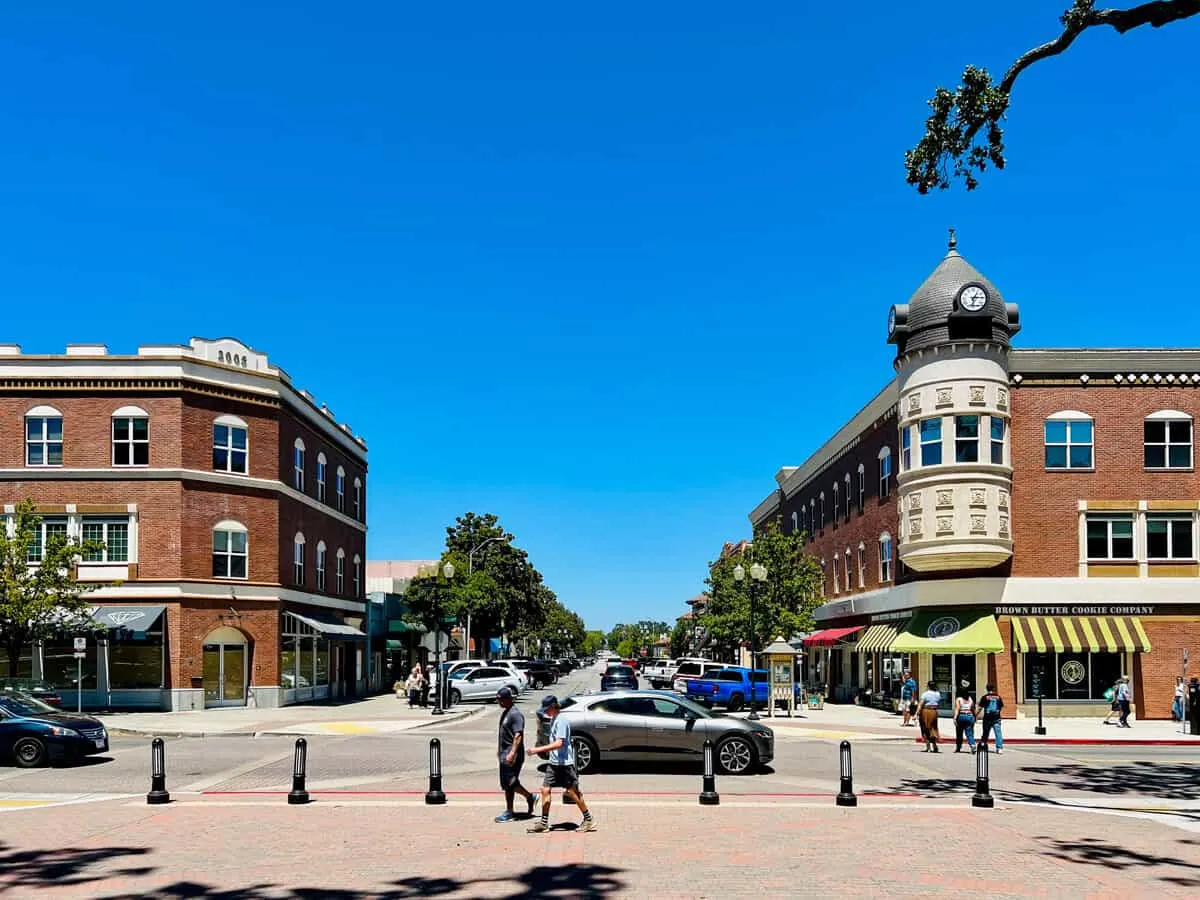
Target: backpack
x=992 y=704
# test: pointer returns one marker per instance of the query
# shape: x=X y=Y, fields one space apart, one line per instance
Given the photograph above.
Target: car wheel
x=455 y=697
x=587 y=755
x=29 y=753
x=537 y=684
x=735 y=702
x=735 y=755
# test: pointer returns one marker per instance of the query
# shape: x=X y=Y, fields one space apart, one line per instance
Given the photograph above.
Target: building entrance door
x=225 y=668
x=948 y=671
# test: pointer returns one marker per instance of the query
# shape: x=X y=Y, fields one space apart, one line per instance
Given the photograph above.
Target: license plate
x=100 y=744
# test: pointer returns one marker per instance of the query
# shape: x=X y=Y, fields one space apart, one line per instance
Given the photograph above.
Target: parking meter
x=1193 y=706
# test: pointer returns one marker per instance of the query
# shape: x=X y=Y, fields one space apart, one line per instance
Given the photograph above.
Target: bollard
x=708 y=792
x=845 y=795
x=434 y=796
x=158 y=773
x=298 y=794
x=983 y=797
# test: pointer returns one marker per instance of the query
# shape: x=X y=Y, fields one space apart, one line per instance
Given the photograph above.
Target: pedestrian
x=1124 y=698
x=964 y=718
x=511 y=753
x=929 y=702
x=414 y=686
x=1177 y=704
x=1114 y=705
x=560 y=771
x=908 y=697
x=989 y=708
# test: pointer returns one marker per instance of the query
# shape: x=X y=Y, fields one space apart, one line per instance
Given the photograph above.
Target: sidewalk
x=383 y=714
x=874 y=724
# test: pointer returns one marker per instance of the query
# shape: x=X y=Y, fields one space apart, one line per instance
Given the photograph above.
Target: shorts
x=912 y=708
x=560 y=777
x=510 y=775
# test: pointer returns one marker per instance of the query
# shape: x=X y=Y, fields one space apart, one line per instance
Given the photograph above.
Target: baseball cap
x=548 y=701
x=505 y=693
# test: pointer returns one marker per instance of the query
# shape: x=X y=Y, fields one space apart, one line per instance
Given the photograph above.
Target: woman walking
x=415 y=685
x=930 y=700
x=964 y=719
x=1177 y=703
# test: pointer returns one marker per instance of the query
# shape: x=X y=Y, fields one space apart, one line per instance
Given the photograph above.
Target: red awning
x=830 y=636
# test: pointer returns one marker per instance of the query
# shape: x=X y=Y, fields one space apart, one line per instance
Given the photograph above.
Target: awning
x=399 y=626
x=830 y=636
x=329 y=627
x=935 y=631
x=878 y=638
x=393 y=645
x=129 y=618
x=1078 y=634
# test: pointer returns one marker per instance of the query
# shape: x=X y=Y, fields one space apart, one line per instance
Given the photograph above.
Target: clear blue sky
x=600 y=271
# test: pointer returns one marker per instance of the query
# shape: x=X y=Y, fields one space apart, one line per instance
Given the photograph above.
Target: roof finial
x=953 y=240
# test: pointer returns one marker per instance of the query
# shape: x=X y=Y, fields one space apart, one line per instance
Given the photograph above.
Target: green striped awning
x=878 y=638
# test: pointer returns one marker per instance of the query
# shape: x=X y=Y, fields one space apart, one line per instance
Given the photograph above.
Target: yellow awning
x=1079 y=634
x=878 y=638
x=934 y=631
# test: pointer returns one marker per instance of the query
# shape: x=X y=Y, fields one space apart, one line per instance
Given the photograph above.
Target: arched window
x=320 y=565
x=837 y=586
x=862 y=488
x=298 y=558
x=357 y=576
x=835 y=502
x=848 y=496
x=43 y=437
x=340 y=489
x=821 y=507
x=340 y=572
x=846 y=568
x=812 y=517
x=231 y=445
x=885 y=557
x=885 y=472
x=795 y=522
x=321 y=463
x=862 y=564
x=231 y=550
x=358 y=488
x=298 y=465
x=130 y=436
x=1167 y=436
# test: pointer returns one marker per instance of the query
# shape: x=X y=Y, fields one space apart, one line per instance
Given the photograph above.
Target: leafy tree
x=681 y=636
x=38 y=601
x=640 y=635
x=593 y=643
x=625 y=649
x=963 y=133
x=786 y=600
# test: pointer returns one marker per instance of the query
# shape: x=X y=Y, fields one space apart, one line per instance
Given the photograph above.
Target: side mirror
x=689 y=715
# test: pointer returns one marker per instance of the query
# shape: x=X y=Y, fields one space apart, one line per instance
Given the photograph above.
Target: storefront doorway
x=949 y=670
x=225 y=667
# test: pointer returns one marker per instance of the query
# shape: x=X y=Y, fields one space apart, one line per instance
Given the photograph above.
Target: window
x=340 y=572
x=130 y=437
x=885 y=557
x=835 y=502
x=1068 y=437
x=862 y=565
x=48 y=531
x=357 y=576
x=885 y=472
x=862 y=488
x=822 y=499
x=931 y=442
x=1169 y=536
x=1110 y=537
x=230 y=553
x=846 y=568
x=836 y=582
x=812 y=518
x=966 y=439
x=848 y=496
x=1090 y=675
x=340 y=489
x=998 y=428
x=43 y=437
x=905 y=448
x=230 y=445
x=113 y=534
x=298 y=465
x=321 y=477
x=795 y=523
x=321 y=566
x=358 y=499
x=298 y=559
x=135 y=658
x=1168 y=440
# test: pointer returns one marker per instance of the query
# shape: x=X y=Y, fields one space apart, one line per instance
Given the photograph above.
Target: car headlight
x=59 y=731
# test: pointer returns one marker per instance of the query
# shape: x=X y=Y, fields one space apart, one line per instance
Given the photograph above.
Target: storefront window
x=135 y=660
x=1070 y=676
x=287 y=661
x=60 y=669
x=322 y=662
x=305 y=678
x=24 y=663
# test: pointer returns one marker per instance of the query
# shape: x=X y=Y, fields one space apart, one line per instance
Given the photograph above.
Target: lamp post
x=448 y=571
x=758 y=574
x=470 y=571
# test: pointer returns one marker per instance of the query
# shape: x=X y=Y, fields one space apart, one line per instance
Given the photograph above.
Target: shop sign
x=1075 y=610
x=903 y=615
x=1073 y=671
x=943 y=627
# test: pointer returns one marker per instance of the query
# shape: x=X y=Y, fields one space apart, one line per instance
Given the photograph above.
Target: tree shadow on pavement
x=1172 y=781
x=65 y=866
x=1092 y=851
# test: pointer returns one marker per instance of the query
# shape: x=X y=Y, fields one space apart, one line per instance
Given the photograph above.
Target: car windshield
x=24 y=705
x=619 y=672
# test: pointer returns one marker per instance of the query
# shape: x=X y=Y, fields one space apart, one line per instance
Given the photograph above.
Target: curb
x=1095 y=742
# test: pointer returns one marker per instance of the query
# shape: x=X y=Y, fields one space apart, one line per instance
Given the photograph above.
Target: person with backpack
x=964 y=718
x=990 y=705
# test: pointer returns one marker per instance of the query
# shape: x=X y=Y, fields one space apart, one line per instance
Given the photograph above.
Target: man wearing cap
x=512 y=734
x=561 y=770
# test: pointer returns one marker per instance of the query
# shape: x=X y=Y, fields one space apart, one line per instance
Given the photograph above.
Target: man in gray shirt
x=512 y=754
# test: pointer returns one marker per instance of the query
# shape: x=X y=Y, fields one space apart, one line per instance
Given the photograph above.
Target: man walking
x=908 y=697
x=560 y=772
x=1124 y=696
x=512 y=735
x=990 y=705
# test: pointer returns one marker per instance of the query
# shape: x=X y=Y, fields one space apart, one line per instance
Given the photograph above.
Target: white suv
x=691 y=669
x=510 y=666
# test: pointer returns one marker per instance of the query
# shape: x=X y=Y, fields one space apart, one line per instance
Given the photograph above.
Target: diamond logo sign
x=123 y=617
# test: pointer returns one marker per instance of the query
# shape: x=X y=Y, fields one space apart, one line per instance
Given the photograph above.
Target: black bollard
x=158 y=773
x=434 y=796
x=708 y=792
x=298 y=794
x=845 y=795
x=983 y=797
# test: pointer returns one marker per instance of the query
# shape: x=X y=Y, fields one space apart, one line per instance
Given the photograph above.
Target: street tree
x=681 y=637
x=963 y=134
x=39 y=595
x=593 y=642
x=637 y=636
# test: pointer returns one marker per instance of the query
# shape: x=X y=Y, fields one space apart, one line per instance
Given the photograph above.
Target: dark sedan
x=618 y=678
x=33 y=733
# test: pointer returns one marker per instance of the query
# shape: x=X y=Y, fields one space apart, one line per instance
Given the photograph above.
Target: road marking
x=237 y=771
x=19 y=802
x=318 y=800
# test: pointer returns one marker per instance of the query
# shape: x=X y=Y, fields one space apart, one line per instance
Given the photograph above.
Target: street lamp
x=758 y=574
x=470 y=570
x=448 y=571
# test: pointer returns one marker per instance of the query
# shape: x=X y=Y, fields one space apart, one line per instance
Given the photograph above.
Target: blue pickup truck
x=730 y=687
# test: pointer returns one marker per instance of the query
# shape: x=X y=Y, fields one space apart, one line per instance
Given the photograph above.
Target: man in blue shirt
x=560 y=772
x=908 y=697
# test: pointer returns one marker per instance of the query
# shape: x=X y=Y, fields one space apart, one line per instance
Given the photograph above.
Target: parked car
x=452 y=666
x=36 y=689
x=692 y=669
x=481 y=683
x=539 y=674
x=563 y=665
x=656 y=725
x=515 y=668
x=618 y=678
x=33 y=733
x=733 y=687
x=662 y=673
x=632 y=663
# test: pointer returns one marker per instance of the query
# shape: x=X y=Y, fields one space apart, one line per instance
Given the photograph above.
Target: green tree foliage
x=593 y=643
x=786 y=600
x=638 y=636
x=38 y=601
x=963 y=134
x=681 y=636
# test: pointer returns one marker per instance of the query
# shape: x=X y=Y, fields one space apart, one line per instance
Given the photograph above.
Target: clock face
x=892 y=320
x=972 y=298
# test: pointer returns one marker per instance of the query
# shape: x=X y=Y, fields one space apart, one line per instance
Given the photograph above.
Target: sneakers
x=587 y=825
x=998 y=752
x=505 y=817
x=538 y=827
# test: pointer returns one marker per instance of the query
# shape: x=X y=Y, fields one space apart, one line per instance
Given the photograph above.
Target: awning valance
x=330 y=628
x=878 y=638
x=129 y=618
x=935 y=631
x=1079 y=634
x=830 y=636
x=393 y=645
x=399 y=626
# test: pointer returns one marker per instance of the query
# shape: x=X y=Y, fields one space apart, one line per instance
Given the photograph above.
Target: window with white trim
x=1168 y=440
x=231 y=445
x=966 y=439
x=357 y=575
x=795 y=522
x=320 y=565
x=1110 y=536
x=822 y=504
x=885 y=472
x=846 y=568
x=298 y=559
x=340 y=572
x=862 y=488
x=298 y=465
x=1069 y=440
x=885 y=557
x=1170 y=536
x=837 y=586
x=835 y=502
x=849 y=505
x=931 y=441
x=340 y=489
x=906 y=448
x=812 y=518
x=358 y=499
x=321 y=465
x=43 y=437
x=112 y=534
x=862 y=564
x=998 y=428
x=50 y=530
x=130 y=437
x=231 y=552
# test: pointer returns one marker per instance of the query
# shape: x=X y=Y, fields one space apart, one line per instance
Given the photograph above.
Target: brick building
x=1025 y=517
x=233 y=512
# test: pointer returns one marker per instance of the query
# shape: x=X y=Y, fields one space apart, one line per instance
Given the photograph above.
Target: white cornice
x=133 y=473
x=230 y=592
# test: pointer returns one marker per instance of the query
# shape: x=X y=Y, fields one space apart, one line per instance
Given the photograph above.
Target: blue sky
x=599 y=271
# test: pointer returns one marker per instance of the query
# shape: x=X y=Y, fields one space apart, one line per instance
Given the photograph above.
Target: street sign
x=79 y=654
x=80 y=644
